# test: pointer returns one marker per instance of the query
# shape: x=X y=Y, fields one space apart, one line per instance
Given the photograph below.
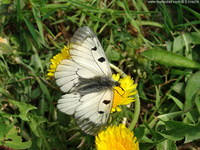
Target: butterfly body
x=86 y=79
x=96 y=84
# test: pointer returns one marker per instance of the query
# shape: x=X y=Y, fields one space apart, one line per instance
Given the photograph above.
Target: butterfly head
x=117 y=83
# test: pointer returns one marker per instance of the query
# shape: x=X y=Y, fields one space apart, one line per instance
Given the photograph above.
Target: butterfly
x=86 y=80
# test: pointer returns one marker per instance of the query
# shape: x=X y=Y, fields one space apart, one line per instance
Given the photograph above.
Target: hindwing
x=91 y=111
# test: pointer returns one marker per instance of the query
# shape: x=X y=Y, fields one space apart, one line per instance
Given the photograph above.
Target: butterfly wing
x=68 y=74
x=87 y=60
x=91 y=111
x=87 y=51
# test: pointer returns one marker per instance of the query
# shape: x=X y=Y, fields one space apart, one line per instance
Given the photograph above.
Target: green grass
x=157 y=44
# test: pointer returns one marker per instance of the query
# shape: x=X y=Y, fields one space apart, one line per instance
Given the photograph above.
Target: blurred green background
x=157 y=43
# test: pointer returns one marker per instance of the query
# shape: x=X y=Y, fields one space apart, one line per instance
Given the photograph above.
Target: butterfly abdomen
x=96 y=84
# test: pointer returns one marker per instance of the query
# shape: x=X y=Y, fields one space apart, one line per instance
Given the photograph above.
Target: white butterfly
x=86 y=80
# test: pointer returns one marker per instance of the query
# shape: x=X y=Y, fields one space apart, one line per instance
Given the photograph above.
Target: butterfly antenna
x=122 y=90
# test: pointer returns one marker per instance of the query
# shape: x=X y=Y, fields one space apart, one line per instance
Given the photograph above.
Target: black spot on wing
x=106 y=102
x=94 y=48
x=100 y=112
x=101 y=59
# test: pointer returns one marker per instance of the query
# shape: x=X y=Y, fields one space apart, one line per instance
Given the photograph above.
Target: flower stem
x=136 y=113
x=118 y=70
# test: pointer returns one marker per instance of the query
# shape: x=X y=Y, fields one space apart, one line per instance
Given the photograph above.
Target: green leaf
x=36 y=60
x=179 y=130
x=197 y=14
x=24 y=108
x=139 y=132
x=33 y=32
x=44 y=88
x=112 y=54
x=179 y=88
x=13 y=140
x=157 y=96
x=185 y=39
x=180 y=105
x=37 y=17
x=9 y=137
x=197 y=102
x=4 y=91
x=19 y=6
x=167 y=18
x=191 y=90
x=177 y=101
x=35 y=122
x=178 y=44
x=147 y=146
x=194 y=37
x=4 y=129
x=167 y=144
x=170 y=59
x=169 y=116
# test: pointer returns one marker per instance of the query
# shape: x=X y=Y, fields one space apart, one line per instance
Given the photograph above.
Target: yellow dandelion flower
x=123 y=94
x=116 y=138
x=55 y=61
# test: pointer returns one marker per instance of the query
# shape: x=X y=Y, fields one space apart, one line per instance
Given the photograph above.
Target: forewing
x=94 y=111
x=87 y=60
x=87 y=51
x=68 y=73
